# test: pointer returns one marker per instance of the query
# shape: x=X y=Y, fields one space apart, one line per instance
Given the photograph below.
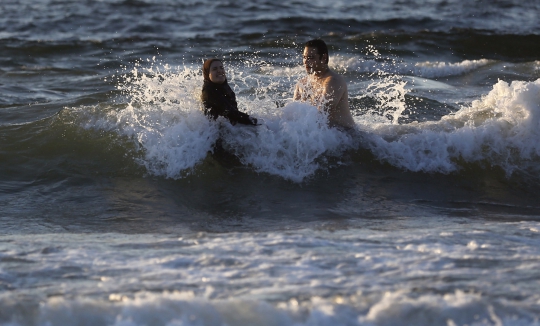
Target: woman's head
x=213 y=71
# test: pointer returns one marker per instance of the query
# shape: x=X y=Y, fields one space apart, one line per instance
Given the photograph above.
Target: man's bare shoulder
x=335 y=80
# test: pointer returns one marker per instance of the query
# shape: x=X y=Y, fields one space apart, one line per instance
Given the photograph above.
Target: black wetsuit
x=220 y=100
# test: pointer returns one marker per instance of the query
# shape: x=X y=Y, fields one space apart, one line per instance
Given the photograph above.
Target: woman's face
x=217 y=73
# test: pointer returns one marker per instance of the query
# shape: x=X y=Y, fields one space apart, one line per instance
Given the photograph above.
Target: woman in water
x=217 y=96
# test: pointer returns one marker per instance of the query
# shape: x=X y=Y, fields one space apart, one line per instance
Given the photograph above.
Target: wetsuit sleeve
x=236 y=116
x=233 y=114
x=216 y=105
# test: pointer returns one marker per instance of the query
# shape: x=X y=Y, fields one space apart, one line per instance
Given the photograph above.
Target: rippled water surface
x=116 y=210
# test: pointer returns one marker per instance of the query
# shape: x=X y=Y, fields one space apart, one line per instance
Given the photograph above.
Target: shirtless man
x=324 y=88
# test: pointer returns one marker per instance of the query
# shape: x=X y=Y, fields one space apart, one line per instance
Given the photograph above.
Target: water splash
x=502 y=128
x=386 y=91
x=163 y=116
x=161 y=112
x=291 y=144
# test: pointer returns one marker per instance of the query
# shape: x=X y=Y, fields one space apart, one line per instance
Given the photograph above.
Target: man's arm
x=299 y=89
x=297 y=95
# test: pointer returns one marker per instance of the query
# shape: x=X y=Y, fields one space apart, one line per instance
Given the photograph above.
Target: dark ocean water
x=115 y=211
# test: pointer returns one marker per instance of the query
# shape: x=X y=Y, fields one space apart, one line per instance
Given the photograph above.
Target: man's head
x=315 y=56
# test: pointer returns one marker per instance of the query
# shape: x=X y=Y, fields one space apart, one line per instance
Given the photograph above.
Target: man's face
x=312 y=60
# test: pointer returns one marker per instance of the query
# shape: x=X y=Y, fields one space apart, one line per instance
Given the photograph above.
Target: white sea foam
x=164 y=117
x=288 y=144
x=354 y=276
x=183 y=308
x=501 y=128
x=441 y=69
x=426 y=69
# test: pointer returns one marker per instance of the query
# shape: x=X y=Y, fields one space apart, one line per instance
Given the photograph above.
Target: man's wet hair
x=319 y=45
